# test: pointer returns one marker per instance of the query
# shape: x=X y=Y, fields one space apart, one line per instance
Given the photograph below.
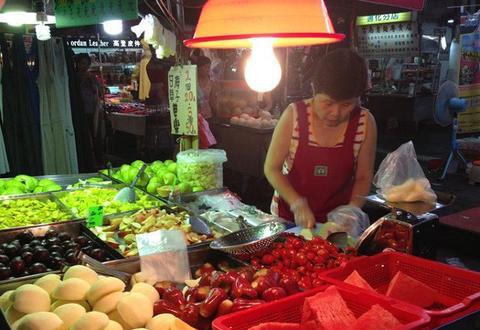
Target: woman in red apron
x=323 y=150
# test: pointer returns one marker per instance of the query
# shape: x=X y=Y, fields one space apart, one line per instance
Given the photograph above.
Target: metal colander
x=250 y=240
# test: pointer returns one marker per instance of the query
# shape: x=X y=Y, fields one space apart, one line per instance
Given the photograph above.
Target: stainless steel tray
x=60 y=194
x=73 y=228
x=43 y=197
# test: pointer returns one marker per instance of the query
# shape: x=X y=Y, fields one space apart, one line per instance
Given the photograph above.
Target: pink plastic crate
x=289 y=310
x=460 y=288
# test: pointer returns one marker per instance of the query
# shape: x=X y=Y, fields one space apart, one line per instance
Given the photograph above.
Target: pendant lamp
x=262 y=25
x=20 y=12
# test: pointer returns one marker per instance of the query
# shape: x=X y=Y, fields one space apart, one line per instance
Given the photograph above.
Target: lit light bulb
x=42 y=31
x=113 y=27
x=262 y=71
x=443 y=42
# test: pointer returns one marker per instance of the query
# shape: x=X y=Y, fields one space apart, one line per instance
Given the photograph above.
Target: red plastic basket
x=459 y=287
x=289 y=310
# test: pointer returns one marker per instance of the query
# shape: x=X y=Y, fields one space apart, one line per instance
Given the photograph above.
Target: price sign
x=182 y=98
x=95 y=216
x=70 y=13
x=384 y=18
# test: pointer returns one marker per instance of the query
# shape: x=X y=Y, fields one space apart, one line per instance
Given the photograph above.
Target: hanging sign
x=182 y=97
x=384 y=18
x=70 y=13
x=408 y=4
x=469 y=82
x=93 y=42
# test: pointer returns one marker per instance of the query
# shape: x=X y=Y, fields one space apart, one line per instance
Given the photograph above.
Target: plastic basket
x=289 y=310
x=460 y=288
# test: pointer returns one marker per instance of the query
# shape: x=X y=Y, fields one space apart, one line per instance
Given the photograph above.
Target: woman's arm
x=365 y=164
x=277 y=153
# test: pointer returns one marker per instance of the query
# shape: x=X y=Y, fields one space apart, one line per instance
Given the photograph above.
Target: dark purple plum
x=53 y=241
x=56 y=262
x=71 y=258
x=5 y=273
x=37 y=268
x=51 y=233
x=82 y=241
x=4 y=259
x=25 y=237
x=64 y=237
x=17 y=265
x=27 y=256
x=98 y=254
x=12 y=250
x=40 y=254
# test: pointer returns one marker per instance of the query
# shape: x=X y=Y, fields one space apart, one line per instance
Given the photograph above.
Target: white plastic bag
x=163 y=256
x=400 y=177
x=350 y=219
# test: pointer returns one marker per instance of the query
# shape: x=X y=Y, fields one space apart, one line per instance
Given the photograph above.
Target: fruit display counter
x=27 y=253
x=120 y=231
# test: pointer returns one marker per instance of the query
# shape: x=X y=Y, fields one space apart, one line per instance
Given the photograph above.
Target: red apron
x=324 y=176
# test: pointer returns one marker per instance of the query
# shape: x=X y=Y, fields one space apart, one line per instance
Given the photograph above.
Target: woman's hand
x=303 y=215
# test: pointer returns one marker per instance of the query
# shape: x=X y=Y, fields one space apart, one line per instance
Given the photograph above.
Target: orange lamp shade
x=233 y=23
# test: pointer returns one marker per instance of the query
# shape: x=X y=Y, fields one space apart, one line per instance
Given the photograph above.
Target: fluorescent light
x=443 y=42
x=113 y=27
x=450 y=21
x=17 y=18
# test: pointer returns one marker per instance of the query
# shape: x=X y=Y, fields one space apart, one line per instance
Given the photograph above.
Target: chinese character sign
x=70 y=13
x=182 y=98
x=469 y=82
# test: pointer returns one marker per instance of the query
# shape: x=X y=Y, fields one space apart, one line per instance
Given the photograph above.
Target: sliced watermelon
x=328 y=310
x=406 y=288
x=357 y=280
x=276 y=326
x=376 y=318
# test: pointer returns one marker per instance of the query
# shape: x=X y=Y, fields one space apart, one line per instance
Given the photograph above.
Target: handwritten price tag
x=95 y=216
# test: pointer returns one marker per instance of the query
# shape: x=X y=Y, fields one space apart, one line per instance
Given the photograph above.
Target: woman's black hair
x=202 y=60
x=83 y=56
x=341 y=74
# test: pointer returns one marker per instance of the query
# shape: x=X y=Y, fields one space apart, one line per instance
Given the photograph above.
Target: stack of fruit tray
x=31 y=252
x=457 y=290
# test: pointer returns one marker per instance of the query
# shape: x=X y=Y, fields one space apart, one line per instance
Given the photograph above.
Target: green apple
x=45 y=182
x=185 y=188
x=13 y=191
x=172 y=168
x=29 y=181
x=169 y=178
x=52 y=187
x=197 y=189
x=16 y=185
x=138 y=164
x=168 y=162
x=164 y=191
x=154 y=184
x=157 y=163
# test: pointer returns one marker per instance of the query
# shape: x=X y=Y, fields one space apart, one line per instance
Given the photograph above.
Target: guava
x=52 y=187
x=168 y=162
x=138 y=164
x=13 y=191
x=172 y=168
x=185 y=187
x=164 y=191
x=17 y=185
x=45 y=182
x=29 y=181
x=157 y=163
x=38 y=190
x=154 y=184
x=197 y=189
x=169 y=178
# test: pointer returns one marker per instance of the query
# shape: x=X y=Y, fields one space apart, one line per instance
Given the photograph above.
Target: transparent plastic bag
x=350 y=219
x=400 y=177
x=163 y=256
x=203 y=169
